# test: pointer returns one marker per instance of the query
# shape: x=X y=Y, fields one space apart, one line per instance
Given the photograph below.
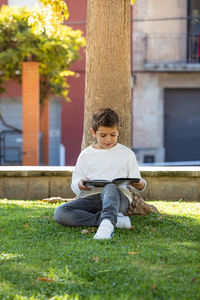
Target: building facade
x=166 y=109
x=166 y=85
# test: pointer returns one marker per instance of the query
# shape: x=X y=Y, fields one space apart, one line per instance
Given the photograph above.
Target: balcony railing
x=166 y=49
x=193 y=49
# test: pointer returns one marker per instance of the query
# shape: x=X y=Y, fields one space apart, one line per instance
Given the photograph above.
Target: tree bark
x=108 y=67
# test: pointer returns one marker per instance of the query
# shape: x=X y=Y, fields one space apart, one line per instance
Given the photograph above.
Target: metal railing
x=193 y=49
x=162 y=48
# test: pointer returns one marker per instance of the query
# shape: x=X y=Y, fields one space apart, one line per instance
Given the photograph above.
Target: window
x=194 y=31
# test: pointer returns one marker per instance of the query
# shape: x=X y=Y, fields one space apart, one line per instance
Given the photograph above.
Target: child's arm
x=135 y=172
x=82 y=186
x=79 y=175
x=140 y=185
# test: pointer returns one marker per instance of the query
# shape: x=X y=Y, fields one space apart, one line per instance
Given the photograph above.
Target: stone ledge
x=172 y=67
x=35 y=171
x=67 y=171
x=163 y=183
x=171 y=171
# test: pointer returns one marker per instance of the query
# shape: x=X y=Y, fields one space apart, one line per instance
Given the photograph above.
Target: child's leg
x=113 y=201
x=81 y=212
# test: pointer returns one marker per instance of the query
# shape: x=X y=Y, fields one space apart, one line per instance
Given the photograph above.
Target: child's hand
x=140 y=185
x=82 y=186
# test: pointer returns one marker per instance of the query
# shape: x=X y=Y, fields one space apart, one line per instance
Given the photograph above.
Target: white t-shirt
x=115 y=162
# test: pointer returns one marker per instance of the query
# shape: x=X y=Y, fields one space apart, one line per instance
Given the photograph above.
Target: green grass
x=164 y=264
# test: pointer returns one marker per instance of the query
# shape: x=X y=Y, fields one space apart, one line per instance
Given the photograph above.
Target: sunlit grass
x=157 y=259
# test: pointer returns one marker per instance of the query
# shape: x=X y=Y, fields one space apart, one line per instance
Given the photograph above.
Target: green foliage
x=49 y=17
x=157 y=259
x=55 y=53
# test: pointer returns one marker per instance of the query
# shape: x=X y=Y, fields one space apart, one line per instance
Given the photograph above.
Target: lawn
x=159 y=258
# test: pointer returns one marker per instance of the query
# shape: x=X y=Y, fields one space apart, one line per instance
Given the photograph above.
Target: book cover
x=103 y=182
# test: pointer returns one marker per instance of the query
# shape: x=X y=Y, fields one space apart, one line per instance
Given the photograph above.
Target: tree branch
x=9 y=126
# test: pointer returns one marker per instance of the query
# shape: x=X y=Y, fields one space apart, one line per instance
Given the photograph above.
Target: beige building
x=166 y=79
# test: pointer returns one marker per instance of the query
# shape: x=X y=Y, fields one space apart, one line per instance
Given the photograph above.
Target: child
x=107 y=206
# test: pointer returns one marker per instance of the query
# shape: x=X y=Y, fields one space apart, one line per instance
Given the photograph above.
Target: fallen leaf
x=85 y=231
x=45 y=279
x=56 y=199
x=133 y=253
x=153 y=286
x=96 y=259
x=92 y=229
x=52 y=200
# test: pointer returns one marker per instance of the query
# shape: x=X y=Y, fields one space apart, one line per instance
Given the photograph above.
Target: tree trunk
x=108 y=67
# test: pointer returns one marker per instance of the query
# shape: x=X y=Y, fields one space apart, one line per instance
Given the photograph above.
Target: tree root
x=138 y=206
x=56 y=199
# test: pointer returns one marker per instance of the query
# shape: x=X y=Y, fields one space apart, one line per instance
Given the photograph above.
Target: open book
x=102 y=182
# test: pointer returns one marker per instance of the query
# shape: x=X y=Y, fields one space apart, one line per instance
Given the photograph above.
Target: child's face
x=106 y=137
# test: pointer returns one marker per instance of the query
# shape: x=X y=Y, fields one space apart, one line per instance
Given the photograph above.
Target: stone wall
x=35 y=183
x=172 y=183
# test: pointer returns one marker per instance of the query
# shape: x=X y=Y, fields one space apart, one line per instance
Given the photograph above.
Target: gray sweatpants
x=91 y=210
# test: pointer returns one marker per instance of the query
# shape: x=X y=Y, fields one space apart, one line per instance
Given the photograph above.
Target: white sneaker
x=123 y=221
x=105 y=230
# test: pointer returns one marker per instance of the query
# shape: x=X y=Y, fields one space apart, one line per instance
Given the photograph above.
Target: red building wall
x=71 y=113
x=3 y=2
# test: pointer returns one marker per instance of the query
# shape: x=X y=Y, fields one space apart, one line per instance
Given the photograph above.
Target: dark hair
x=105 y=117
